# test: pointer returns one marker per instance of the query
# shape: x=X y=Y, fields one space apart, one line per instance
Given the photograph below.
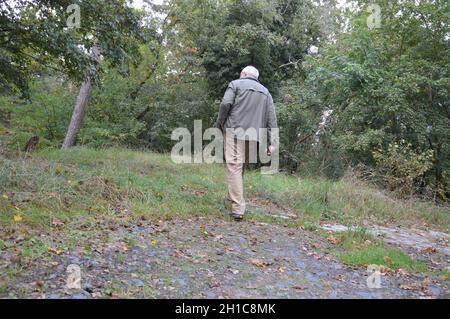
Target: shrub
x=401 y=168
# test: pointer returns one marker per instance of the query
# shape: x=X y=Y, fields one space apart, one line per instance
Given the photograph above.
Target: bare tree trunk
x=80 y=107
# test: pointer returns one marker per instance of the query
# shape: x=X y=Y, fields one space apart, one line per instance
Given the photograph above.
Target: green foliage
x=388 y=85
x=228 y=35
x=298 y=119
x=402 y=168
x=171 y=102
x=46 y=114
x=35 y=35
x=111 y=117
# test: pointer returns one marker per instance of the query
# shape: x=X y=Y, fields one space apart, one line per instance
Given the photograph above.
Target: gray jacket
x=248 y=104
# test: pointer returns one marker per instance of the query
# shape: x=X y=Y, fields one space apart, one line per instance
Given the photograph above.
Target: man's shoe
x=237 y=217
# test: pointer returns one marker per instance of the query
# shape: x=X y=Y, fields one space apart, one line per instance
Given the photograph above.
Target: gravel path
x=212 y=258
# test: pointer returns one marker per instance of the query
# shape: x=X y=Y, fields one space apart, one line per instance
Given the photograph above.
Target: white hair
x=251 y=71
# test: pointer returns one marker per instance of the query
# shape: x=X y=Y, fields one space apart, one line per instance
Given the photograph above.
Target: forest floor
x=139 y=226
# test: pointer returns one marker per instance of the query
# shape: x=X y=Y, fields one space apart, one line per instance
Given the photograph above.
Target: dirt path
x=211 y=258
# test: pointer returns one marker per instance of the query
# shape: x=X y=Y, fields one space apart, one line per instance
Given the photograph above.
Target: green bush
x=401 y=168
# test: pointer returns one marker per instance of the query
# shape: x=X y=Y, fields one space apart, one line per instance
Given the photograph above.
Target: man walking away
x=246 y=107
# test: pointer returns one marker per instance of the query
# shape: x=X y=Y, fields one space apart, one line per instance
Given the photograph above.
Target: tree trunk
x=80 y=107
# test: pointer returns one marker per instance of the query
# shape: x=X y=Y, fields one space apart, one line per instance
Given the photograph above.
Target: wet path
x=208 y=258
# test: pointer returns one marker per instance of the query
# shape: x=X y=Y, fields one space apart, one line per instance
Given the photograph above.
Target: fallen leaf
x=388 y=260
x=119 y=247
x=333 y=240
x=429 y=250
x=410 y=287
x=426 y=282
x=15 y=259
x=339 y=277
x=402 y=272
x=386 y=270
x=58 y=169
x=57 y=222
x=228 y=249
x=259 y=263
x=55 y=251
x=100 y=248
x=299 y=287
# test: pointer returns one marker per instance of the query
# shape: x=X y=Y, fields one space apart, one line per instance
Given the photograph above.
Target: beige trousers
x=236 y=157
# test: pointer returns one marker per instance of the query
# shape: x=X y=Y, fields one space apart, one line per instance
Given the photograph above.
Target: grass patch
x=382 y=255
x=359 y=248
x=83 y=186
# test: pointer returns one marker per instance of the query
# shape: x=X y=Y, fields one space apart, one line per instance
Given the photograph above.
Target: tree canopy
x=36 y=34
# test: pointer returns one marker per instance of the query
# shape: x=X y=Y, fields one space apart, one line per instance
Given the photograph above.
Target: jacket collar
x=249 y=78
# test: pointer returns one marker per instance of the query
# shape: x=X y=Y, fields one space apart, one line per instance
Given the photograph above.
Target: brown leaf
x=228 y=249
x=428 y=250
x=409 y=287
x=57 y=222
x=388 y=260
x=402 y=272
x=339 y=277
x=259 y=263
x=120 y=247
x=425 y=283
x=299 y=287
x=333 y=240
x=386 y=270
x=15 y=259
x=100 y=248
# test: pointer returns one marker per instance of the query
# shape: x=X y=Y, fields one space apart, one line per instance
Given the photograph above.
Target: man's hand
x=270 y=149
